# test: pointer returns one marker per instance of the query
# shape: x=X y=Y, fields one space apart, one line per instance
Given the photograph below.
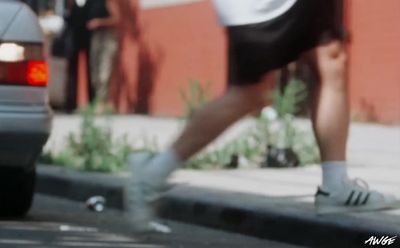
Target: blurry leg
x=91 y=92
x=209 y=122
x=72 y=81
x=102 y=54
x=95 y=60
x=108 y=48
x=149 y=174
x=215 y=117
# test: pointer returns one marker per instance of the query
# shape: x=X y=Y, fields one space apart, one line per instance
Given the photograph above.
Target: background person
x=103 y=18
x=76 y=19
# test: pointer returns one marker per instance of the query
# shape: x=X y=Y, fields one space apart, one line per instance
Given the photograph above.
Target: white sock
x=333 y=174
x=162 y=165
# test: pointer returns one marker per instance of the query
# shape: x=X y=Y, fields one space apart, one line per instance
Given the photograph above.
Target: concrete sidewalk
x=369 y=145
x=271 y=203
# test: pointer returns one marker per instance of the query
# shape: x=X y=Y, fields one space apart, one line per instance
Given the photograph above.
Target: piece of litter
x=96 y=203
x=64 y=228
x=67 y=228
x=161 y=228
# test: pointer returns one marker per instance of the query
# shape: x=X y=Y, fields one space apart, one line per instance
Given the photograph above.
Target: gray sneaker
x=141 y=193
x=353 y=196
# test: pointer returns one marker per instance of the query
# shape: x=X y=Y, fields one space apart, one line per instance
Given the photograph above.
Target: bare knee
x=256 y=100
x=254 y=97
x=253 y=101
x=331 y=63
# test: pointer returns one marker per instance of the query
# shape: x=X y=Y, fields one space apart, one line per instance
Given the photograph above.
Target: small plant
x=287 y=103
x=93 y=148
x=287 y=147
x=195 y=97
x=306 y=148
x=289 y=100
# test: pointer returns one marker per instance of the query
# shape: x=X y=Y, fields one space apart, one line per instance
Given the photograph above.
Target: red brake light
x=37 y=73
x=31 y=73
x=22 y=64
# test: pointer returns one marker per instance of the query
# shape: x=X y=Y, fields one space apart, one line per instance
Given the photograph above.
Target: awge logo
x=384 y=240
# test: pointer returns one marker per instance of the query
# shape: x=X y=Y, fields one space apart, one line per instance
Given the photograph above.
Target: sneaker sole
x=347 y=209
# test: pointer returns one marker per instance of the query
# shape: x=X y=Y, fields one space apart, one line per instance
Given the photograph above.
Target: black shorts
x=256 y=49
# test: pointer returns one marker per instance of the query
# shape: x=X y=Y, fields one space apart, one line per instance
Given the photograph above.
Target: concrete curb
x=243 y=213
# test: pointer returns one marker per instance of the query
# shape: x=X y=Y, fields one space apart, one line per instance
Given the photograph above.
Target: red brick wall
x=190 y=45
x=374 y=65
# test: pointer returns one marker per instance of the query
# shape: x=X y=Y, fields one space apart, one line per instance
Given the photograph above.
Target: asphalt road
x=55 y=222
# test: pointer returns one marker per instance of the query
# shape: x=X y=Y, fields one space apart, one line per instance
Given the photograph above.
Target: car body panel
x=8 y=11
x=16 y=95
x=25 y=115
x=17 y=25
x=22 y=137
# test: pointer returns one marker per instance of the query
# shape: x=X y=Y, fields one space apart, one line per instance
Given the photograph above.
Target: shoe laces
x=359 y=183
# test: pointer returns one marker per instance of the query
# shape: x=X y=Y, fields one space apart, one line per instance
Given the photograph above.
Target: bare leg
x=331 y=121
x=330 y=110
x=219 y=114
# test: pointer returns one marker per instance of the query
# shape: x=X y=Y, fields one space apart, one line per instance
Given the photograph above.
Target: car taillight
x=22 y=65
x=36 y=73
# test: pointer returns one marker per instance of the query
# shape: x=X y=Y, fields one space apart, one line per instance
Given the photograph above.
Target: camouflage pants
x=103 y=47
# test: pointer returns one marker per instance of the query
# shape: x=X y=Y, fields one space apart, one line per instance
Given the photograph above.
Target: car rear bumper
x=23 y=134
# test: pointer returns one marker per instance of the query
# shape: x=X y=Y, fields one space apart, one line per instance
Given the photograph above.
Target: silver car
x=25 y=115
